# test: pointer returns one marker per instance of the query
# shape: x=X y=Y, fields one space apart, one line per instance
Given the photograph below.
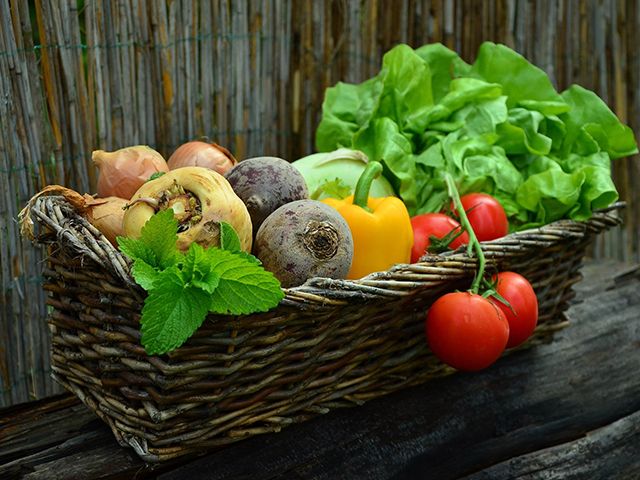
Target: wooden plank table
x=565 y=410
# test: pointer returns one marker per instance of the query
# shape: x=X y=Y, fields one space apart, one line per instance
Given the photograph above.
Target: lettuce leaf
x=521 y=81
x=497 y=125
x=593 y=127
x=382 y=140
x=445 y=65
x=346 y=109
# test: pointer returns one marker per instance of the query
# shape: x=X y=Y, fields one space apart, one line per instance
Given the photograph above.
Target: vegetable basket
x=329 y=344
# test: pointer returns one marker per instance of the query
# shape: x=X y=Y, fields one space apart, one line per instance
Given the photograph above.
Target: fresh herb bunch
x=184 y=287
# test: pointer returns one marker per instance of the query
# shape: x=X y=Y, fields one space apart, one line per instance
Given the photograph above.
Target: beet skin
x=304 y=239
x=264 y=184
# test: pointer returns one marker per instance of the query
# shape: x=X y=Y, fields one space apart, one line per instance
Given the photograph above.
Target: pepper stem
x=369 y=174
x=474 y=244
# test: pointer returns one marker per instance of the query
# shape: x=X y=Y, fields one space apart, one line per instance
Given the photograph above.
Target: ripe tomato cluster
x=467 y=330
x=435 y=232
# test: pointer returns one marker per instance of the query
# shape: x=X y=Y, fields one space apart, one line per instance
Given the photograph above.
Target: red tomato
x=517 y=290
x=437 y=225
x=466 y=331
x=486 y=216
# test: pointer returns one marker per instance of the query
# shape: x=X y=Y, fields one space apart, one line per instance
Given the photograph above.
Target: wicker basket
x=330 y=343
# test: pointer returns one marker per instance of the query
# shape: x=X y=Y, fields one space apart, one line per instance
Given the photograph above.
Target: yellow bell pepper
x=381 y=227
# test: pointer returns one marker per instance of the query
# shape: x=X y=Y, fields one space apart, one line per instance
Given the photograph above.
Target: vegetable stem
x=474 y=244
x=370 y=173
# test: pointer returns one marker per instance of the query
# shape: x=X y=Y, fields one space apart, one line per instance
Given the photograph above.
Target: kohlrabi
x=335 y=174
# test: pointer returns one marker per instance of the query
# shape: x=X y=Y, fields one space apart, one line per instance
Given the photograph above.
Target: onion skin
x=107 y=215
x=217 y=200
x=124 y=171
x=202 y=154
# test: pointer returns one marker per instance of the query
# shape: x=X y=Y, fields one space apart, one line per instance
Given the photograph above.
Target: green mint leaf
x=157 y=243
x=172 y=312
x=245 y=287
x=137 y=250
x=194 y=258
x=207 y=284
x=248 y=257
x=229 y=238
x=160 y=233
x=184 y=287
x=144 y=274
x=198 y=270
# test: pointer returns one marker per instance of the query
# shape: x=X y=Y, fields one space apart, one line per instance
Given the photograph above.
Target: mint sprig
x=157 y=243
x=242 y=288
x=184 y=287
x=173 y=310
x=229 y=238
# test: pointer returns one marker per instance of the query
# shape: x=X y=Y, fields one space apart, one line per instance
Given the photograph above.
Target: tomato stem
x=474 y=244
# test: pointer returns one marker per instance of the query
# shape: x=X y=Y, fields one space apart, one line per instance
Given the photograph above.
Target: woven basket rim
x=399 y=280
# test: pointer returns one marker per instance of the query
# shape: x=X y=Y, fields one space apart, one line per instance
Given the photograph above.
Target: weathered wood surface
x=569 y=409
x=618 y=443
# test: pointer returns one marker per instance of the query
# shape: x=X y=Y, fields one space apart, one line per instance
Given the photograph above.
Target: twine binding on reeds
x=330 y=343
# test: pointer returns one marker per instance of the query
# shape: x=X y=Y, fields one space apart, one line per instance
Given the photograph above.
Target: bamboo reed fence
x=81 y=75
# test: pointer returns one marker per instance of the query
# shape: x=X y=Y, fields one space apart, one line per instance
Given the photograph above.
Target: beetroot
x=304 y=239
x=264 y=184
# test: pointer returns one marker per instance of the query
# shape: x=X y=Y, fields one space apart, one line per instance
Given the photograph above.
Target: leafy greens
x=184 y=287
x=497 y=126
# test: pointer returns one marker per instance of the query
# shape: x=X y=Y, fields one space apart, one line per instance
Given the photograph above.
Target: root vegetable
x=200 y=198
x=264 y=184
x=124 y=171
x=325 y=171
x=304 y=239
x=106 y=214
x=202 y=154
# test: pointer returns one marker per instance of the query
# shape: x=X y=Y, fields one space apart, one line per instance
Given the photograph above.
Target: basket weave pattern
x=330 y=343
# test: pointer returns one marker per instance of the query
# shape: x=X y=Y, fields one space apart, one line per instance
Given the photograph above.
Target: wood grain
x=618 y=442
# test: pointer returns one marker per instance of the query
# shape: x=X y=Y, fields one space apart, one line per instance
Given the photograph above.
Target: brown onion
x=202 y=154
x=124 y=171
x=107 y=215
